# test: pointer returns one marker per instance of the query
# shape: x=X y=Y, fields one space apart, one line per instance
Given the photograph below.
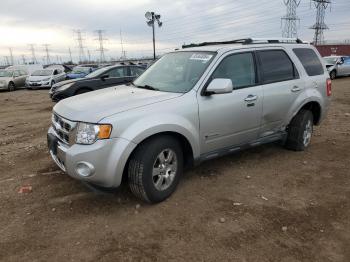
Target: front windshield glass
x=42 y=73
x=97 y=72
x=175 y=72
x=4 y=73
x=331 y=60
x=81 y=70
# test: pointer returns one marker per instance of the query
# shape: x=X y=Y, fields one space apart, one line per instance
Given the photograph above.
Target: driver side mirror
x=103 y=78
x=219 y=86
x=340 y=62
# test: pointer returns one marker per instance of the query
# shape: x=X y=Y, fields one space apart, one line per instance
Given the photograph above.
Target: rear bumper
x=107 y=157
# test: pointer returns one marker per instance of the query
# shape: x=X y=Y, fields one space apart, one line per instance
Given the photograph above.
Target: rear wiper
x=147 y=87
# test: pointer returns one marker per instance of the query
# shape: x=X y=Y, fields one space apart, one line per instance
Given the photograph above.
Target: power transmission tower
x=80 y=46
x=47 y=58
x=7 y=60
x=320 y=26
x=290 y=29
x=101 y=49
x=11 y=56
x=32 y=50
x=70 y=55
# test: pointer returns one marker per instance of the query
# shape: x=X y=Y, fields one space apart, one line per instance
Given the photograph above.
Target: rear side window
x=276 y=66
x=310 y=61
x=240 y=68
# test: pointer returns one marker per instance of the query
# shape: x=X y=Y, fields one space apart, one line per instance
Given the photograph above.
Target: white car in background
x=45 y=78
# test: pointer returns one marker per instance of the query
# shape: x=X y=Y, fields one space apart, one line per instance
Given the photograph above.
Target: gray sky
x=53 y=22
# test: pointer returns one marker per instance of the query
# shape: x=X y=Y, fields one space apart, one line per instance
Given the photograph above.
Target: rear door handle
x=251 y=98
x=296 y=89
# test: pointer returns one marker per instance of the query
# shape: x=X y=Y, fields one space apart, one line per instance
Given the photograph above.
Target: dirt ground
x=264 y=204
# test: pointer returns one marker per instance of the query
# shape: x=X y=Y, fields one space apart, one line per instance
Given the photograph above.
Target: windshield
x=81 y=70
x=4 y=73
x=175 y=72
x=42 y=73
x=331 y=60
x=97 y=72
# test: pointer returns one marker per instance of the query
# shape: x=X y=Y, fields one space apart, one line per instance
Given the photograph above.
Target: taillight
x=329 y=87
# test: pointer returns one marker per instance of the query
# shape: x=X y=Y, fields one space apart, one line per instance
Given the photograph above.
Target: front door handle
x=251 y=98
x=296 y=89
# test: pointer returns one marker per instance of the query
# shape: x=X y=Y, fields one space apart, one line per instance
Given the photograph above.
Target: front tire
x=155 y=169
x=11 y=87
x=333 y=75
x=300 y=131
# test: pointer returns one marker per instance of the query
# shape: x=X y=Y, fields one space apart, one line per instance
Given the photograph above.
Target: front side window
x=276 y=66
x=310 y=61
x=176 y=72
x=240 y=68
x=117 y=72
x=136 y=71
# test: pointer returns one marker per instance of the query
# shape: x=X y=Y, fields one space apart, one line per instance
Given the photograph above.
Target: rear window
x=276 y=66
x=310 y=61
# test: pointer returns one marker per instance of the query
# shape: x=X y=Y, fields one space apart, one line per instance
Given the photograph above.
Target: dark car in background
x=101 y=78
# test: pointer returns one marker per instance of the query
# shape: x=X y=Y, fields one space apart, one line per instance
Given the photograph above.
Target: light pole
x=151 y=19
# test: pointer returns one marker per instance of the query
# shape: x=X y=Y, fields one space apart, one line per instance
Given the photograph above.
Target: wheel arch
x=315 y=109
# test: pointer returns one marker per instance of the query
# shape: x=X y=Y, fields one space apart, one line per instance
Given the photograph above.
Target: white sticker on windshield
x=201 y=57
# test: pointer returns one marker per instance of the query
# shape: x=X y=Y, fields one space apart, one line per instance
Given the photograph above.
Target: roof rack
x=247 y=41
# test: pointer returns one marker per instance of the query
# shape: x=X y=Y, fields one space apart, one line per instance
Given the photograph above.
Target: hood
x=92 y=107
x=62 y=83
x=38 y=78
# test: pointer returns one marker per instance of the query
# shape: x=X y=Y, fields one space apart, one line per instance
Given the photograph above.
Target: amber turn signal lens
x=105 y=131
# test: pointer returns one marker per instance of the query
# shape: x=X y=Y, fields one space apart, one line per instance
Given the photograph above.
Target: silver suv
x=195 y=104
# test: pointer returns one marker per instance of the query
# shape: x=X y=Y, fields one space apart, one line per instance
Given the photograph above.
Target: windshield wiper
x=148 y=87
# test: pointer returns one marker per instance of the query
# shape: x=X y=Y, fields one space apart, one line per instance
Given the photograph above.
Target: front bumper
x=38 y=85
x=108 y=157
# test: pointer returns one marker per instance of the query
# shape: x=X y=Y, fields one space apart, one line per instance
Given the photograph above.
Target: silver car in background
x=12 y=79
x=45 y=78
x=337 y=65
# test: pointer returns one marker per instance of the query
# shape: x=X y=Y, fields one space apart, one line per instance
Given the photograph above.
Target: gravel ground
x=264 y=204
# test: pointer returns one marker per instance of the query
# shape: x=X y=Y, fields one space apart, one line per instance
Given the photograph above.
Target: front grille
x=63 y=128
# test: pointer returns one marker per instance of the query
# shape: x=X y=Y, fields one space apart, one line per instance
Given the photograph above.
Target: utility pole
x=123 y=54
x=80 y=45
x=290 y=19
x=89 y=55
x=7 y=60
x=101 y=48
x=32 y=50
x=23 y=59
x=47 y=57
x=70 y=55
x=320 y=26
x=151 y=19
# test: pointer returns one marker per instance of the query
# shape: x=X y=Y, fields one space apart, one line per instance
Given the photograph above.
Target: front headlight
x=87 y=134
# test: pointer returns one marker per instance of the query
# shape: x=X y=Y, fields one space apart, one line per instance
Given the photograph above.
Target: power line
x=320 y=26
x=290 y=19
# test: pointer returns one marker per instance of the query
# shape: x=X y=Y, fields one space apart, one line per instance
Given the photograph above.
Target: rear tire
x=155 y=169
x=333 y=74
x=300 y=131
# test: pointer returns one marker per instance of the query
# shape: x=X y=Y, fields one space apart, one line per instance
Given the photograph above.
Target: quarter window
x=136 y=71
x=240 y=68
x=276 y=66
x=310 y=61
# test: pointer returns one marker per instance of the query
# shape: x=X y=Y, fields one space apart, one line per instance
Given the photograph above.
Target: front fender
x=149 y=126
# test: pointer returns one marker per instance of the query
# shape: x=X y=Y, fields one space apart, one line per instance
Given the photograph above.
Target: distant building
x=334 y=49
